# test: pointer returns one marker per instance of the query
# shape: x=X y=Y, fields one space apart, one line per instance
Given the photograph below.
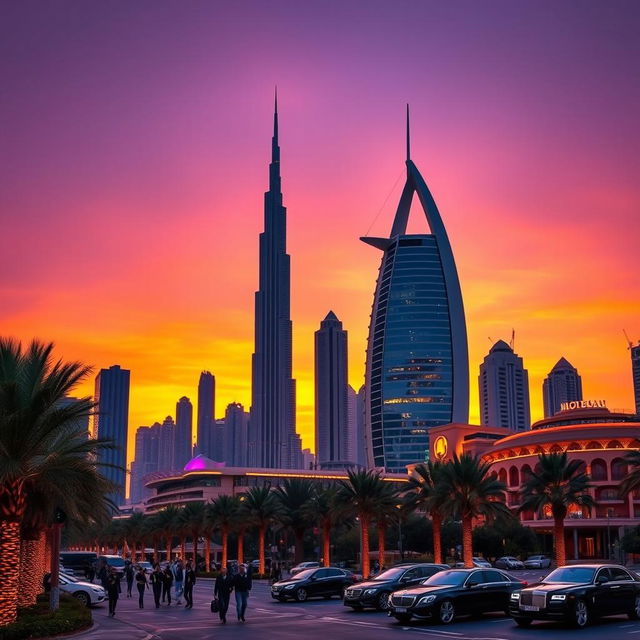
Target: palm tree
x=294 y=495
x=166 y=522
x=262 y=508
x=324 y=509
x=359 y=495
x=136 y=528
x=224 y=515
x=557 y=483
x=42 y=448
x=423 y=493
x=631 y=482
x=467 y=491
x=386 y=509
x=192 y=519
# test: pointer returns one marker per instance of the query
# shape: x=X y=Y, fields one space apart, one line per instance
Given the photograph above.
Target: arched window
x=525 y=473
x=514 y=479
x=618 y=469
x=599 y=470
x=614 y=444
x=593 y=445
x=502 y=476
x=583 y=466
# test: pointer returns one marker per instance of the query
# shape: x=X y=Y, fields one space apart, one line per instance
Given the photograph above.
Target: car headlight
x=426 y=599
x=97 y=590
x=559 y=596
x=290 y=586
x=515 y=595
x=369 y=592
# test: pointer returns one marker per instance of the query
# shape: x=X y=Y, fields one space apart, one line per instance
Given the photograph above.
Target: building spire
x=408 y=136
x=275 y=150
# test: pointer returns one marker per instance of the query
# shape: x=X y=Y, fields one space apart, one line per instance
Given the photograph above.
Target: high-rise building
x=563 y=384
x=332 y=410
x=218 y=440
x=417 y=371
x=272 y=430
x=182 y=434
x=111 y=422
x=236 y=421
x=504 y=389
x=206 y=412
x=635 y=370
x=165 y=445
x=357 y=449
x=145 y=462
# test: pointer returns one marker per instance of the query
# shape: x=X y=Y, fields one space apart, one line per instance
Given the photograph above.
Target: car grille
x=535 y=598
x=402 y=601
x=353 y=593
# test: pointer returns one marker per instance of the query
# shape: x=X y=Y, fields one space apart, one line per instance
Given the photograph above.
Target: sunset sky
x=134 y=147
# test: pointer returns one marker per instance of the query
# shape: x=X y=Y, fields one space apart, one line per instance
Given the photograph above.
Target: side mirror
x=312 y=578
x=405 y=579
x=602 y=579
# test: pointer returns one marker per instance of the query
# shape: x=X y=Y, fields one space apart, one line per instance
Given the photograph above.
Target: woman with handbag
x=222 y=593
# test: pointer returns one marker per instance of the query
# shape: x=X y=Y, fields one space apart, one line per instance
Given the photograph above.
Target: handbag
x=215 y=605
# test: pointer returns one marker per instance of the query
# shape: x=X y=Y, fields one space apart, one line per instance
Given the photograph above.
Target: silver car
x=85 y=592
x=509 y=562
x=537 y=562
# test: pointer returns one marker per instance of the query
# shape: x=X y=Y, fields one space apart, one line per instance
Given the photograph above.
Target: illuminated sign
x=440 y=447
x=583 y=404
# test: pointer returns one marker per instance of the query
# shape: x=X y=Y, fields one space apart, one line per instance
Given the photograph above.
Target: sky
x=134 y=152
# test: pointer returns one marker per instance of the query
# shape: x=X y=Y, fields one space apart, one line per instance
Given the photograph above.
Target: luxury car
x=375 y=591
x=302 y=566
x=478 y=562
x=509 y=562
x=113 y=561
x=448 y=594
x=537 y=562
x=324 y=581
x=85 y=592
x=578 y=593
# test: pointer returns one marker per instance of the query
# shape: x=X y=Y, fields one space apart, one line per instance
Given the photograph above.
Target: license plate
x=529 y=607
x=400 y=609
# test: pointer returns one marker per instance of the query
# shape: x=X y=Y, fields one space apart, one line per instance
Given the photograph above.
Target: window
x=412 y=574
x=321 y=573
x=333 y=572
x=619 y=574
x=492 y=576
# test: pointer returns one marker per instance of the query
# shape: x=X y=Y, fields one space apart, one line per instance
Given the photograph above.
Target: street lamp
x=400 y=546
x=610 y=546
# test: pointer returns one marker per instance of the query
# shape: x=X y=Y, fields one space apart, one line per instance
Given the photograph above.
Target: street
x=316 y=619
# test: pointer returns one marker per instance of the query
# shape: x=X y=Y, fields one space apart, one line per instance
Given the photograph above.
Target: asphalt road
x=318 y=620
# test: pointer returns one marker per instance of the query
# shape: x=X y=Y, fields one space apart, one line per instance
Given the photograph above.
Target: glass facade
x=411 y=374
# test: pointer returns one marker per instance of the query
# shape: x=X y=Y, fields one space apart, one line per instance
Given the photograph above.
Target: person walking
x=189 y=582
x=178 y=577
x=242 y=586
x=141 y=584
x=222 y=590
x=103 y=574
x=129 y=574
x=156 y=579
x=167 y=582
x=113 y=584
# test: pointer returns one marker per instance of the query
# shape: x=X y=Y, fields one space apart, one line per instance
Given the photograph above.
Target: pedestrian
x=189 y=582
x=92 y=572
x=129 y=573
x=142 y=584
x=103 y=574
x=178 y=577
x=222 y=590
x=242 y=586
x=113 y=582
x=156 y=579
x=167 y=582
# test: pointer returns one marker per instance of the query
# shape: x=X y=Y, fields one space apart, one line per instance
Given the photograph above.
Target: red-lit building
x=595 y=436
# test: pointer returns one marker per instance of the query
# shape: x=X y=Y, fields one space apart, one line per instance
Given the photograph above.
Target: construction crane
x=512 y=344
x=629 y=342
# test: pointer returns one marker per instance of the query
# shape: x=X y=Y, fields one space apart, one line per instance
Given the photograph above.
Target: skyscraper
x=504 y=389
x=417 y=371
x=357 y=449
x=272 y=432
x=635 y=370
x=145 y=462
x=182 y=434
x=563 y=384
x=165 y=445
x=112 y=422
x=206 y=412
x=236 y=421
x=332 y=409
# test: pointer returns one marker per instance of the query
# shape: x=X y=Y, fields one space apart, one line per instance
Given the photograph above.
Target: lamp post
x=400 y=545
x=609 y=545
x=59 y=518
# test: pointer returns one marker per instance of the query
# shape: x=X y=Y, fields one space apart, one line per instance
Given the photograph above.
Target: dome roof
x=202 y=463
x=501 y=345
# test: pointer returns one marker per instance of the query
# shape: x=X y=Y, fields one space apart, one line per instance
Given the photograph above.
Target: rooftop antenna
x=512 y=344
x=408 y=136
x=629 y=342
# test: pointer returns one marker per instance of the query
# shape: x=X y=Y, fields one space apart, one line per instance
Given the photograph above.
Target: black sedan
x=326 y=582
x=375 y=592
x=577 y=594
x=455 y=592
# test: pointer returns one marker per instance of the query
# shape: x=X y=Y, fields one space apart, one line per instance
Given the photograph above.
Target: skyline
x=524 y=128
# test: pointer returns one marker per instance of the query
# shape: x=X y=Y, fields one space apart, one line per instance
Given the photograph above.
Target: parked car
x=85 y=592
x=478 y=562
x=147 y=567
x=79 y=561
x=67 y=570
x=537 y=562
x=577 y=594
x=509 y=562
x=375 y=591
x=325 y=581
x=448 y=594
x=302 y=567
x=113 y=561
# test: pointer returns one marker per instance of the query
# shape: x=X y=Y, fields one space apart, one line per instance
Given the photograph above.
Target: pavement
x=316 y=619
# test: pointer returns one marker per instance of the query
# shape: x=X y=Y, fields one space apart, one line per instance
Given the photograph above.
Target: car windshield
x=115 y=562
x=577 y=575
x=453 y=578
x=390 y=574
x=303 y=575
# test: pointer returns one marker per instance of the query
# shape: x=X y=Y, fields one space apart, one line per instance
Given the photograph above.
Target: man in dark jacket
x=222 y=590
x=242 y=586
x=189 y=582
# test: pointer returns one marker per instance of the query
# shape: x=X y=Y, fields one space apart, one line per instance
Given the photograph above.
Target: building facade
x=236 y=423
x=206 y=412
x=333 y=446
x=147 y=451
x=417 y=370
x=357 y=448
x=563 y=384
x=635 y=371
x=111 y=422
x=272 y=429
x=504 y=389
x=183 y=433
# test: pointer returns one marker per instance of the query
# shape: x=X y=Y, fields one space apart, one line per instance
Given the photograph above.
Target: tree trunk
x=183 y=548
x=261 y=534
x=169 y=540
x=194 y=536
x=31 y=571
x=47 y=547
x=225 y=545
x=364 y=546
x=134 y=553
x=467 y=541
x=299 y=542
x=558 y=534
x=326 y=544
x=436 y=521
x=381 y=531
x=207 y=552
x=9 y=559
x=156 y=544
x=240 y=546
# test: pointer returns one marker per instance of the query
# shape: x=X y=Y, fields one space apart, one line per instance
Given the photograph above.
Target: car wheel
x=635 y=614
x=301 y=595
x=82 y=597
x=403 y=618
x=382 y=603
x=580 y=614
x=523 y=622
x=446 y=612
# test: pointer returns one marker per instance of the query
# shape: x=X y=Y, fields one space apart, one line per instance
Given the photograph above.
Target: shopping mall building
x=592 y=434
